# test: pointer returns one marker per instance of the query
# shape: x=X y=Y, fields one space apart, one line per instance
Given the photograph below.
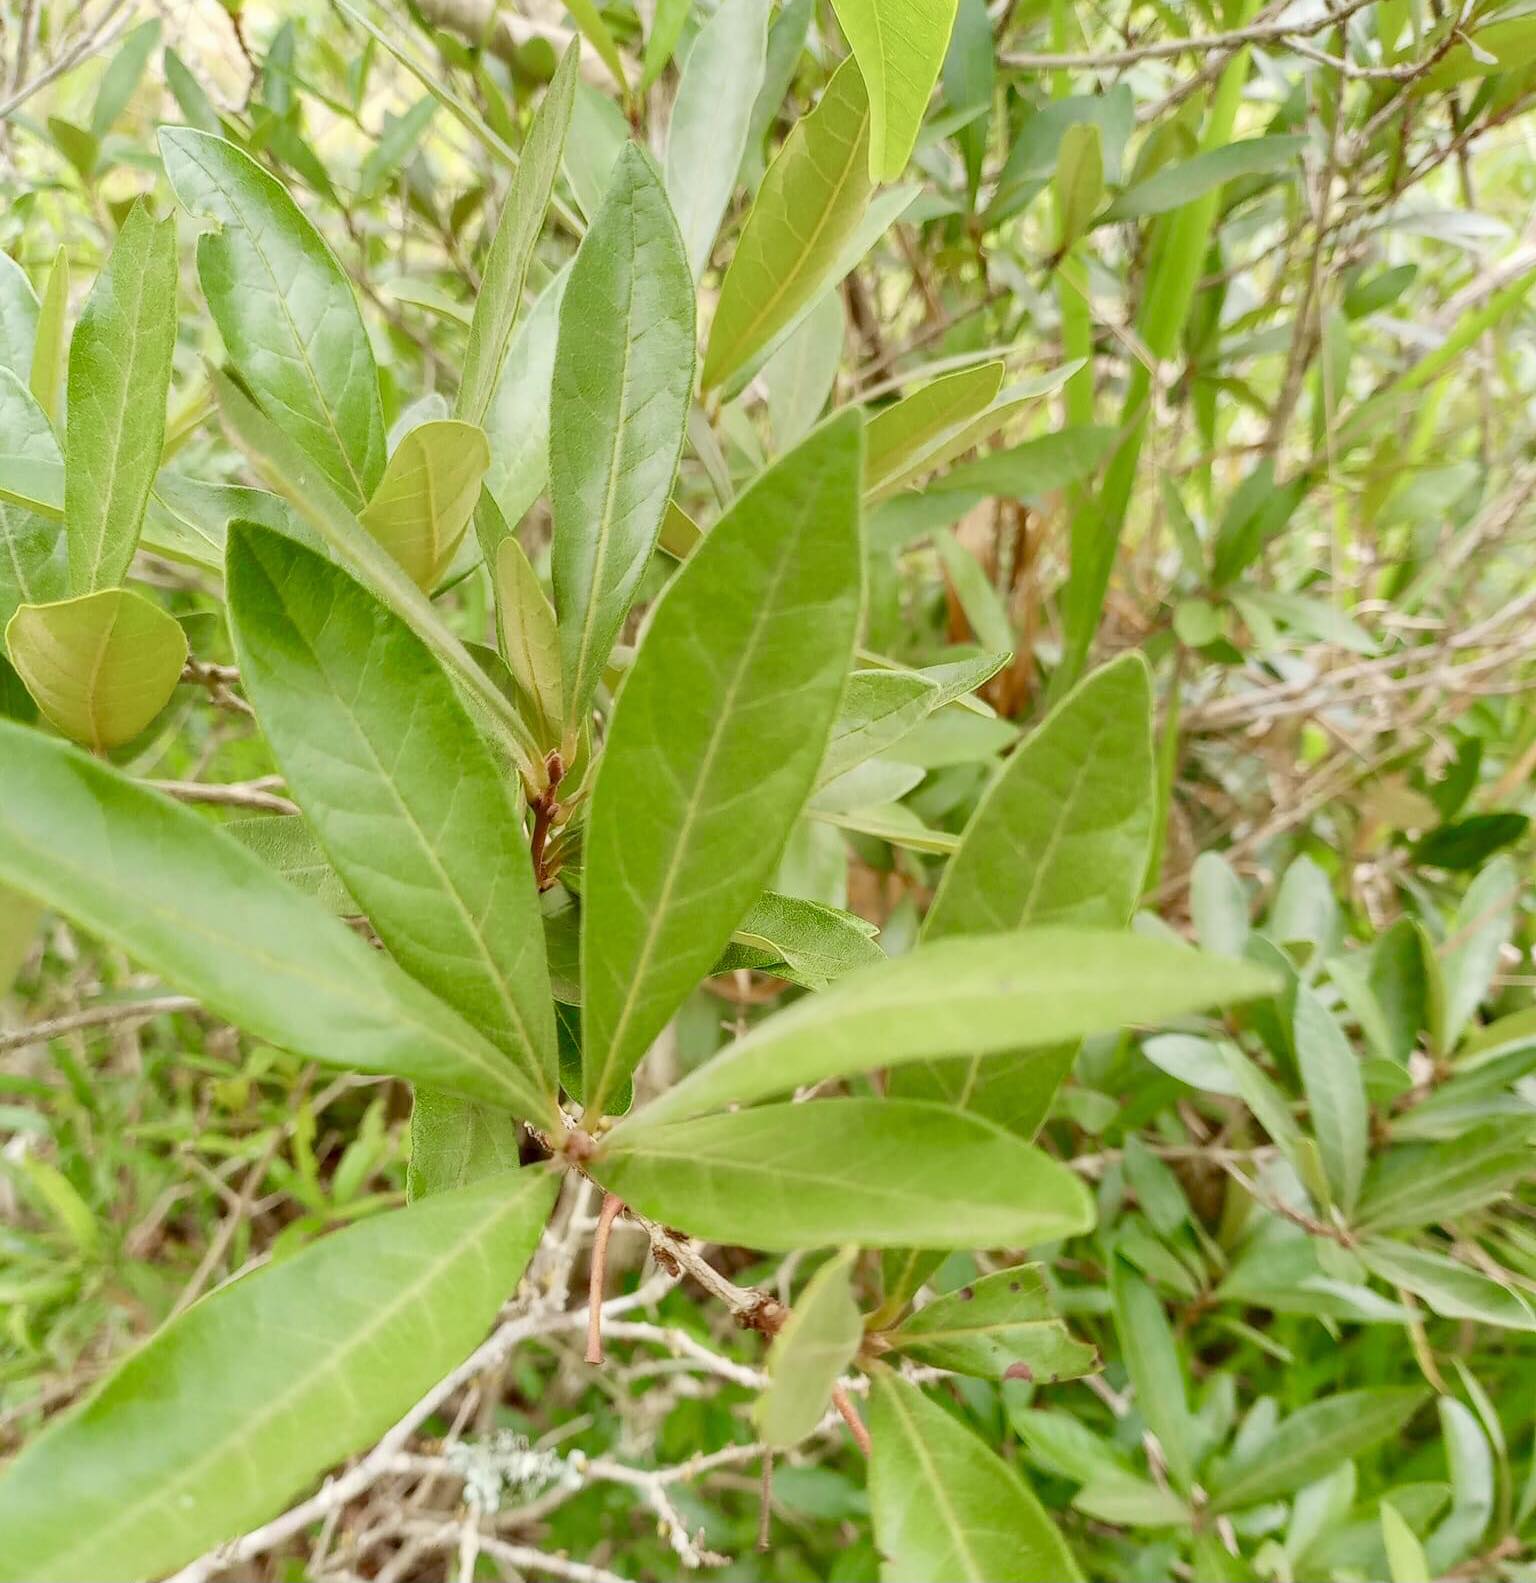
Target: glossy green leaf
x=33 y=547
x=1175 y=185
x=530 y=641
x=900 y=47
x=878 y=1172
x=1312 y=1442
x=900 y=433
x=710 y=117
x=404 y=795
x=816 y=1343
x=100 y=666
x=50 y=351
x=1157 y=1374
x=985 y=994
x=1335 y=1088
x=284 y=308
x=618 y=407
x=18 y=318
x=499 y=299
x=119 y=375
x=247 y=1397
x=999 y=1327
x=196 y=907
x=946 y=1507
x=715 y=742
x=427 y=495
x=807 y=210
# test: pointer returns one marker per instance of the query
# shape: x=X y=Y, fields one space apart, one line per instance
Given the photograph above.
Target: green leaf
x=618 y=408
x=194 y=906
x=1034 y=467
x=119 y=375
x=1420 y=1184
x=243 y=1400
x=287 y=845
x=595 y=30
x=404 y=795
x=1175 y=185
x=1405 y=1555
x=1335 y=1088
x=801 y=374
x=710 y=118
x=801 y=941
x=900 y=433
x=427 y=495
x=33 y=548
x=100 y=666
x=51 y=348
x=1157 y=1374
x=665 y=30
x=900 y=46
x=973 y=587
x=1477 y=934
x=18 y=318
x=530 y=641
x=946 y=1507
x=878 y=709
x=1000 y=1327
x=806 y=213
x=506 y=267
x=456 y=1143
x=715 y=742
x=400 y=138
x=284 y=308
x=983 y=994
x=878 y=1172
x=1078 y=185
x=816 y=1343
x=1452 y=1289
x=1312 y=1442
x=122 y=76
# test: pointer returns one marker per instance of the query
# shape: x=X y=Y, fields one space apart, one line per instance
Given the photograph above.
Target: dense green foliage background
x=1194 y=347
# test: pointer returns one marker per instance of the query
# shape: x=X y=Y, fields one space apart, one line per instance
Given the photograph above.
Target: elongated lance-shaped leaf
x=18 y=318
x=1335 y=1088
x=195 y=906
x=711 y=115
x=100 y=666
x=294 y=475
x=947 y=1508
x=806 y=213
x=33 y=548
x=404 y=794
x=878 y=1172
x=899 y=433
x=1153 y=1362
x=618 y=410
x=252 y=1393
x=119 y=374
x=427 y=495
x=284 y=308
x=816 y=1343
x=715 y=742
x=987 y=994
x=517 y=233
x=50 y=351
x=900 y=46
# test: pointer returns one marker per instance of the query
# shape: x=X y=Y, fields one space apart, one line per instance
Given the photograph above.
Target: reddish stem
x=851 y=1417
x=605 y=1219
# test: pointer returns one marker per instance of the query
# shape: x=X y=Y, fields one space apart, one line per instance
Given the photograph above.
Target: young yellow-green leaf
x=51 y=349
x=715 y=741
x=1157 y=1373
x=595 y=30
x=18 y=318
x=1313 y=1441
x=897 y=434
x=427 y=495
x=1078 y=185
x=618 y=408
x=456 y=1142
x=878 y=1172
x=1335 y=1088
x=247 y=1397
x=948 y=1509
x=530 y=642
x=33 y=548
x=900 y=46
x=1406 y=1562
x=404 y=795
x=194 y=906
x=982 y=994
x=710 y=117
x=522 y=218
x=1000 y=1327
x=817 y=1342
x=807 y=211
x=284 y=308
x=100 y=666
x=119 y=376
